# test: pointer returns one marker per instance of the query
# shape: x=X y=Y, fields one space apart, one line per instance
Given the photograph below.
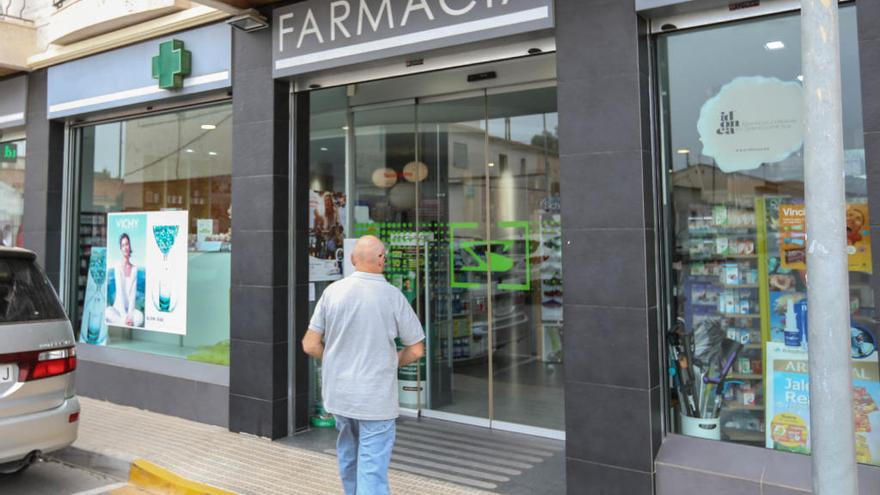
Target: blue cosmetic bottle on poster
x=800 y=309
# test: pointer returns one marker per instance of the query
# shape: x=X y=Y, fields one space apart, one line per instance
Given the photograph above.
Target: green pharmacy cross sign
x=8 y=152
x=172 y=64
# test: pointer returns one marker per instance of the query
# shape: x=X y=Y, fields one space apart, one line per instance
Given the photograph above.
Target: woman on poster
x=125 y=288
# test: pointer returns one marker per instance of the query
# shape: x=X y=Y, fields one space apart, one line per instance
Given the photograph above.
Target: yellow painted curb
x=154 y=479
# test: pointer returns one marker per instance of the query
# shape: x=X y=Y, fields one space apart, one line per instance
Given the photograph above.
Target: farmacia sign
x=321 y=34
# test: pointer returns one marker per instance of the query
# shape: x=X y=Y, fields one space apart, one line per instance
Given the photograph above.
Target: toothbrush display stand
x=708 y=428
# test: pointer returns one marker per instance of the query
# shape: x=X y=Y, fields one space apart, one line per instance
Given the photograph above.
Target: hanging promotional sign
x=788 y=402
x=319 y=34
x=752 y=120
x=793 y=237
x=147 y=270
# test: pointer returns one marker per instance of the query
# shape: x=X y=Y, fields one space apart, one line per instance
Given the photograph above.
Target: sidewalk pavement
x=111 y=437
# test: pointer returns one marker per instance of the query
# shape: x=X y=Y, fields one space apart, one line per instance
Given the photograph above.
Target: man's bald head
x=369 y=255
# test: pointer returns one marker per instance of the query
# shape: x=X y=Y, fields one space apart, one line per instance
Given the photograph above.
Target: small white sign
x=752 y=120
x=347 y=250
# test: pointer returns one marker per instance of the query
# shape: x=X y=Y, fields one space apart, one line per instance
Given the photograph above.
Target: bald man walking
x=353 y=331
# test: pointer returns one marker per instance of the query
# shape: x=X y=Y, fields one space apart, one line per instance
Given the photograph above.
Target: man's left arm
x=411 y=334
x=410 y=354
x=313 y=344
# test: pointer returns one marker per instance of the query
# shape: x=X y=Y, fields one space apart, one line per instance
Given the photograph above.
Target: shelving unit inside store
x=720 y=280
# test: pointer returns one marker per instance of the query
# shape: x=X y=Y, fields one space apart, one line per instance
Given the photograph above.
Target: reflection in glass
x=528 y=374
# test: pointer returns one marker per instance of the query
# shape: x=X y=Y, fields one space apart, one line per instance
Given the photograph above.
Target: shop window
x=732 y=115
x=152 y=267
x=12 y=170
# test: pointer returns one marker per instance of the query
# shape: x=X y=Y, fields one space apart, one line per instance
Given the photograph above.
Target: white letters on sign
x=384 y=10
x=340 y=12
x=315 y=35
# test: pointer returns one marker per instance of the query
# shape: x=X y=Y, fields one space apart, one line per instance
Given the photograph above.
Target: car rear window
x=25 y=293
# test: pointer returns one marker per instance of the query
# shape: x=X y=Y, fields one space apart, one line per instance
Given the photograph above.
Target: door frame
x=484 y=92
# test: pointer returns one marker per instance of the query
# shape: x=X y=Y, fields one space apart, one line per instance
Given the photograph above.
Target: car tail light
x=35 y=365
x=73 y=418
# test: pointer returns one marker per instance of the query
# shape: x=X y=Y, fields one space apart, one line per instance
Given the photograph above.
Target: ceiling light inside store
x=345 y=128
x=491 y=164
x=774 y=45
x=212 y=153
x=189 y=150
x=683 y=151
x=209 y=127
x=323 y=148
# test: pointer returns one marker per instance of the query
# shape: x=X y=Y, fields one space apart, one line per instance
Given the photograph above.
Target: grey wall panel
x=156 y=364
x=13 y=101
x=677 y=480
x=43 y=179
x=693 y=465
x=189 y=399
x=258 y=335
x=609 y=266
x=589 y=478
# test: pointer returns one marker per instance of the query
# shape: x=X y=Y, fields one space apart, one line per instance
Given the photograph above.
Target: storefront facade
x=143 y=218
x=557 y=183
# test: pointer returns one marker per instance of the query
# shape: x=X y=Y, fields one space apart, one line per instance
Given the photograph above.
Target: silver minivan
x=39 y=412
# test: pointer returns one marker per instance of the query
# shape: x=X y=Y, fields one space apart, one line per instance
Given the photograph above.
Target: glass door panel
x=464 y=191
x=384 y=200
x=452 y=200
x=525 y=234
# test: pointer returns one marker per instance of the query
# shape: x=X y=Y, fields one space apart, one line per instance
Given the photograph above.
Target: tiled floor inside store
x=491 y=460
x=526 y=391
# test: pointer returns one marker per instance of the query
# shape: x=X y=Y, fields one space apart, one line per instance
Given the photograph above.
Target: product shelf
x=741 y=376
x=734 y=406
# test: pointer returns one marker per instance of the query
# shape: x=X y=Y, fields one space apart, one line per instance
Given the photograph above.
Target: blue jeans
x=363 y=450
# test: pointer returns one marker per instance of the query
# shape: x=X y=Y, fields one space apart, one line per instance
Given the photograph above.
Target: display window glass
x=12 y=170
x=152 y=237
x=737 y=339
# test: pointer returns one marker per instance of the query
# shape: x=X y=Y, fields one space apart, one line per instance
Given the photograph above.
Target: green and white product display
x=411 y=382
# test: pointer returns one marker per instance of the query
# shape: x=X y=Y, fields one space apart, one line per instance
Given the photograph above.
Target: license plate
x=8 y=373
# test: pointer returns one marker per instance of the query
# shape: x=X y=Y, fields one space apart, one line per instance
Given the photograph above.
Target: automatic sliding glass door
x=527 y=369
x=464 y=191
x=452 y=147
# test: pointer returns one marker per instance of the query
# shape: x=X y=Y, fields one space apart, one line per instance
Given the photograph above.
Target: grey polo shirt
x=359 y=317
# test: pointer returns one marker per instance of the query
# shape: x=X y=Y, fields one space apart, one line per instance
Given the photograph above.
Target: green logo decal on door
x=500 y=258
x=172 y=64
